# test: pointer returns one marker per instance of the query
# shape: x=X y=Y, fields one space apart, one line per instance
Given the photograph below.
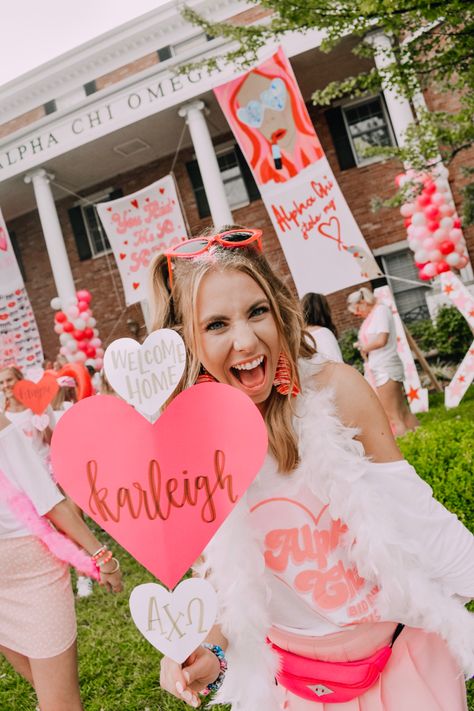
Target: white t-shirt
x=23 y=467
x=23 y=420
x=326 y=343
x=380 y=320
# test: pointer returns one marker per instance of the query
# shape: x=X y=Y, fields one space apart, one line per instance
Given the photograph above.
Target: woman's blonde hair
x=362 y=295
x=176 y=310
x=17 y=374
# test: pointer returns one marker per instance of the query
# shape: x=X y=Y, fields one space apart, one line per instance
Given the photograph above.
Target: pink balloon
x=100 y=352
x=455 y=235
x=421 y=233
x=429 y=270
x=418 y=219
x=58 y=328
x=83 y=306
x=460 y=248
x=431 y=212
x=84 y=295
x=440 y=235
x=429 y=243
x=64 y=351
x=73 y=312
x=438 y=199
x=99 y=363
x=80 y=357
x=407 y=209
x=96 y=342
x=435 y=255
x=463 y=262
x=446 y=210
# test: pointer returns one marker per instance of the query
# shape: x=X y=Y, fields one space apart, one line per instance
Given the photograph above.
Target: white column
x=399 y=108
x=53 y=236
x=207 y=161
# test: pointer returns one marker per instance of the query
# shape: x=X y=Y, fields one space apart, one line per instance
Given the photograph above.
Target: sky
x=35 y=31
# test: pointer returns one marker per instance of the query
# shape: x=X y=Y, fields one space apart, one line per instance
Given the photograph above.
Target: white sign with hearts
x=146 y=375
x=175 y=622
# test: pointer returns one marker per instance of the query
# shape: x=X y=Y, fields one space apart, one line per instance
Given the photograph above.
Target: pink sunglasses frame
x=255 y=235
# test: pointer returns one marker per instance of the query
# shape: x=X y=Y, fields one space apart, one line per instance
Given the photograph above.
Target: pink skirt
x=421 y=674
x=37 y=616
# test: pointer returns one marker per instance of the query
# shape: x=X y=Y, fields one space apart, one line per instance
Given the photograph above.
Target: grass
x=119 y=670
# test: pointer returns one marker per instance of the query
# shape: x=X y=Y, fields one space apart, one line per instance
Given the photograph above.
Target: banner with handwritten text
x=139 y=226
x=20 y=343
x=322 y=242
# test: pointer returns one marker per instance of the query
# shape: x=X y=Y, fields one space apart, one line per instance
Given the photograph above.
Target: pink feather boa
x=58 y=544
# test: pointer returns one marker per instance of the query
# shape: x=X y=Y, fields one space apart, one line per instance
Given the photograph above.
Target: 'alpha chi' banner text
x=322 y=242
x=140 y=226
x=20 y=342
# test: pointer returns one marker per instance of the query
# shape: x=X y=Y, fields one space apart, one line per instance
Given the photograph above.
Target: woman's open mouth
x=251 y=373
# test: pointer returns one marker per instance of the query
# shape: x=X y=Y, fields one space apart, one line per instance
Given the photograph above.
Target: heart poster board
x=36 y=396
x=161 y=490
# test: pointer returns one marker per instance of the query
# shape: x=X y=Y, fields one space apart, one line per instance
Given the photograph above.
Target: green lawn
x=119 y=669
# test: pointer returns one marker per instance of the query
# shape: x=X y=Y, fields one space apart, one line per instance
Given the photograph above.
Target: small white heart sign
x=40 y=422
x=146 y=375
x=175 y=622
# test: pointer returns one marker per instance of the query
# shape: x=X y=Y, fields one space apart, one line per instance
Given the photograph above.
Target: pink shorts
x=421 y=674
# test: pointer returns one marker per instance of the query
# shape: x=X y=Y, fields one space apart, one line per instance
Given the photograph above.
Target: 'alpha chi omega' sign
x=139 y=226
x=322 y=242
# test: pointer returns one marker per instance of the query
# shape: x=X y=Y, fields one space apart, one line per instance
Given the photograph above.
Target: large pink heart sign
x=161 y=490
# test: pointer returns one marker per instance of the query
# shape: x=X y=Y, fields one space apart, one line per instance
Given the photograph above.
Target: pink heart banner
x=161 y=490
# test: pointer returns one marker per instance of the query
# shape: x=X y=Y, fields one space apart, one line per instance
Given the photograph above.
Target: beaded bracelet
x=115 y=570
x=219 y=652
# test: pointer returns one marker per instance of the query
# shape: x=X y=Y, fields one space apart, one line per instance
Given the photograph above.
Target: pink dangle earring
x=282 y=380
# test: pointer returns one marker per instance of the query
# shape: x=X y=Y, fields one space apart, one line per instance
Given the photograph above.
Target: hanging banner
x=139 y=226
x=416 y=395
x=463 y=300
x=20 y=342
x=322 y=242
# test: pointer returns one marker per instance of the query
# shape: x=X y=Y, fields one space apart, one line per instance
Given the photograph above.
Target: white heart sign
x=175 y=622
x=40 y=422
x=146 y=375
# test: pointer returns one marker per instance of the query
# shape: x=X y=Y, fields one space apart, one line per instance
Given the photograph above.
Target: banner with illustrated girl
x=322 y=242
x=20 y=342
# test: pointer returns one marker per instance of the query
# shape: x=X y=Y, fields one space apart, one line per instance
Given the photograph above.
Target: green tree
x=432 y=45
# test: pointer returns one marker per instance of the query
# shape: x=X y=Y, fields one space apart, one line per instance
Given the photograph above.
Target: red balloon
x=432 y=225
x=429 y=188
x=457 y=223
x=68 y=327
x=78 y=335
x=446 y=247
x=90 y=351
x=431 y=212
x=84 y=295
x=82 y=346
x=82 y=305
x=442 y=267
x=423 y=276
x=423 y=200
x=407 y=222
x=89 y=333
x=60 y=317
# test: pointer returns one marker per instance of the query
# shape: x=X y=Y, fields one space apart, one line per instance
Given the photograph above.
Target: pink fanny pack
x=331 y=682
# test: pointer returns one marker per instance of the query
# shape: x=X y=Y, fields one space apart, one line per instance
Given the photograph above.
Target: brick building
x=107 y=119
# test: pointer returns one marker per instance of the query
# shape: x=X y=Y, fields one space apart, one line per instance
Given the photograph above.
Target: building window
x=367 y=126
x=89 y=235
x=410 y=299
x=183 y=47
x=90 y=87
x=50 y=107
x=239 y=185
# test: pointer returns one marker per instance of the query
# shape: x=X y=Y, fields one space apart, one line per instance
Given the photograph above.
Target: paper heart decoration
x=146 y=375
x=40 y=422
x=161 y=490
x=175 y=622
x=36 y=396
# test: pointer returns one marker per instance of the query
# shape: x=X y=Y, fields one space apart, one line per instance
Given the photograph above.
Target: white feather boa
x=387 y=550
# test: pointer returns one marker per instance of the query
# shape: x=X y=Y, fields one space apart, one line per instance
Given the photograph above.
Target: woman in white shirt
x=383 y=367
x=317 y=316
x=37 y=617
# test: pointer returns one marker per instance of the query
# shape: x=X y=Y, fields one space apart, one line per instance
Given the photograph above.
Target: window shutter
x=80 y=234
x=164 y=53
x=115 y=195
x=340 y=138
x=250 y=184
x=198 y=188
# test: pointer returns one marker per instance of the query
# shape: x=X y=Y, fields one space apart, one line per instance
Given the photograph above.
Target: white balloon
x=446 y=223
x=442 y=171
x=418 y=219
x=91 y=322
x=435 y=255
x=80 y=324
x=91 y=362
x=96 y=332
x=55 y=303
x=453 y=259
x=80 y=356
x=71 y=346
x=64 y=338
x=442 y=185
x=421 y=256
x=58 y=328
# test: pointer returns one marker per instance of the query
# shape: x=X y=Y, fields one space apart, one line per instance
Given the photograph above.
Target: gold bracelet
x=115 y=570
